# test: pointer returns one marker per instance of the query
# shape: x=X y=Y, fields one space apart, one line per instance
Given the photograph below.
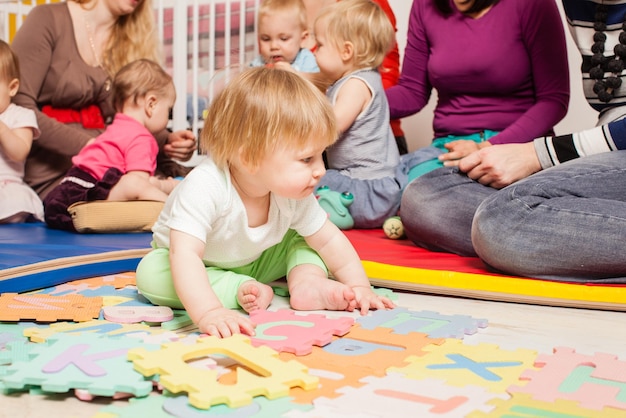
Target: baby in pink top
x=120 y=163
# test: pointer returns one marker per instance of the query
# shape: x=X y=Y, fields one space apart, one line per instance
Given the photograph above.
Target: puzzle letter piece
x=594 y=381
x=285 y=331
x=91 y=362
x=134 y=314
x=434 y=324
x=273 y=376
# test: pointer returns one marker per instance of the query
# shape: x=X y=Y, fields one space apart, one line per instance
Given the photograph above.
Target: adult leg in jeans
x=566 y=223
x=437 y=210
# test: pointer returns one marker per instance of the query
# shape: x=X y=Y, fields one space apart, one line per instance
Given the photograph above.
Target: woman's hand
x=500 y=165
x=180 y=145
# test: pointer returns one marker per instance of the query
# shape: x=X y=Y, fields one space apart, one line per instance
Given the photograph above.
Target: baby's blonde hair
x=133 y=36
x=9 y=64
x=362 y=23
x=137 y=79
x=264 y=109
x=269 y=7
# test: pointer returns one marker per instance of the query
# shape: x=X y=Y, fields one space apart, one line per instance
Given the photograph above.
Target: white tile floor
x=511 y=326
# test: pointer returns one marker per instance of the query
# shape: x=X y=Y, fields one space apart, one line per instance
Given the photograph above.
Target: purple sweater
x=506 y=71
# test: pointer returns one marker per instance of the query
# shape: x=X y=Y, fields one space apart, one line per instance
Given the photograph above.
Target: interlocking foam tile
x=169 y=405
x=325 y=411
x=434 y=324
x=331 y=379
x=95 y=326
x=156 y=338
x=360 y=353
x=181 y=320
x=90 y=362
x=521 y=405
x=596 y=381
x=17 y=350
x=264 y=373
x=375 y=349
x=284 y=330
x=45 y=308
x=396 y=396
x=14 y=351
x=11 y=332
x=460 y=364
x=117 y=281
x=128 y=295
x=149 y=406
x=259 y=408
x=135 y=314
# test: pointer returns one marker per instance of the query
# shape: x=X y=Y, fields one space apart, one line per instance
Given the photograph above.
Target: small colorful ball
x=393 y=228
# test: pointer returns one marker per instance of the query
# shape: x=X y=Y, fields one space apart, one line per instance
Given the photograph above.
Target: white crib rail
x=186 y=48
x=187 y=45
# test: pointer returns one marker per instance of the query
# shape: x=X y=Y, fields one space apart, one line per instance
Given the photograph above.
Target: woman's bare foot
x=312 y=292
x=253 y=295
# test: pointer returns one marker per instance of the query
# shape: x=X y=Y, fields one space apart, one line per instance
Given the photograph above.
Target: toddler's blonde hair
x=9 y=64
x=137 y=79
x=269 y=7
x=264 y=109
x=362 y=23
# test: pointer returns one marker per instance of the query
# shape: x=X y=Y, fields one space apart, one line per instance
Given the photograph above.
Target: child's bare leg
x=311 y=289
x=134 y=187
x=253 y=295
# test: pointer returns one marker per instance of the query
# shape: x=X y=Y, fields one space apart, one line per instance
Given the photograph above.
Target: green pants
x=154 y=275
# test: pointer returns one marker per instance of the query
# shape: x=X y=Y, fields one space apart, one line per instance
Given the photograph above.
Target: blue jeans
x=437 y=210
x=566 y=223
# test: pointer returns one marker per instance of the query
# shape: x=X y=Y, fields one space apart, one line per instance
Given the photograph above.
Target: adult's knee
x=437 y=211
x=495 y=233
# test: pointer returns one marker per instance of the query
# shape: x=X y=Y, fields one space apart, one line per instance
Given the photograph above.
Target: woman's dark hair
x=444 y=6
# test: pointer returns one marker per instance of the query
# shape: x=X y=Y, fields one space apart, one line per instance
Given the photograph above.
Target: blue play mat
x=33 y=256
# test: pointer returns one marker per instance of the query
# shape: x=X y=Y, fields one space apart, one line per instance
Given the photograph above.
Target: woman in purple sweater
x=500 y=71
x=553 y=208
x=499 y=67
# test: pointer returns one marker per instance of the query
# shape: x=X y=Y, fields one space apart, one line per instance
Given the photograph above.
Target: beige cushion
x=108 y=216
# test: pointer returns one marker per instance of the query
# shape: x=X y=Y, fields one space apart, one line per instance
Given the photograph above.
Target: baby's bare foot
x=253 y=295
x=316 y=293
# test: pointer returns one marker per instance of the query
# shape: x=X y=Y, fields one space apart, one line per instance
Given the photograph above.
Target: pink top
x=125 y=144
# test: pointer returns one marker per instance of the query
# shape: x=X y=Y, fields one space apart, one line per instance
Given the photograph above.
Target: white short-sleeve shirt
x=207 y=206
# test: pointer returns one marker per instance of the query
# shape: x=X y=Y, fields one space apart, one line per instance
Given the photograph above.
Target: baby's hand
x=366 y=299
x=282 y=65
x=222 y=322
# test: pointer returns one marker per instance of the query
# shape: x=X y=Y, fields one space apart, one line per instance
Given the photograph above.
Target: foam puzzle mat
x=98 y=338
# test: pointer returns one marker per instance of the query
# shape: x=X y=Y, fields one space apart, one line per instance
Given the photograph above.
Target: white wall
x=418 y=128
